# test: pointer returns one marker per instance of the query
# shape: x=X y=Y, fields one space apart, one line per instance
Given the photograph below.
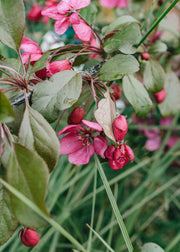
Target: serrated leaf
x=12 y=25
x=118 y=66
x=60 y=92
x=41 y=63
x=36 y=134
x=118 y=23
x=28 y=173
x=151 y=247
x=105 y=115
x=124 y=40
x=8 y=221
x=171 y=105
x=153 y=76
x=158 y=47
x=137 y=95
x=6 y=110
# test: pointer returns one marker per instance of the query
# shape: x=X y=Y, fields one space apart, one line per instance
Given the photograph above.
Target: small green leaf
x=28 y=173
x=124 y=40
x=153 y=76
x=151 y=247
x=6 y=110
x=118 y=66
x=158 y=47
x=89 y=13
x=41 y=63
x=60 y=92
x=137 y=95
x=118 y=23
x=36 y=134
x=171 y=105
x=8 y=221
x=12 y=26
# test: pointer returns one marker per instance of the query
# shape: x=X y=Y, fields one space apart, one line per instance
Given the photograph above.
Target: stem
x=157 y=21
x=23 y=67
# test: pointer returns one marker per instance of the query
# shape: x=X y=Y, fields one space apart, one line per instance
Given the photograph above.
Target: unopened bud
x=160 y=96
x=117 y=91
x=76 y=116
x=145 y=56
x=29 y=237
x=120 y=127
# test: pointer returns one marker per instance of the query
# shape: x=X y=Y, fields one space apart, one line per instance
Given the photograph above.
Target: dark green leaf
x=118 y=66
x=124 y=40
x=171 y=104
x=137 y=95
x=6 y=110
x=28 y=173
x=151 y=247
x=41 y=63
x=8 y=221
x=119 y=23
x=61 y=91
x=13 y=24
x=36 y=134
x=153 y=76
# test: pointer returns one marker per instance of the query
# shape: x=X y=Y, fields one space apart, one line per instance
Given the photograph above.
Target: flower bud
x=29 y=237
x=117 y=91
x=160 y=96
x=145 y=56
x=120 y=127
x=34 y=13
x=76 y=116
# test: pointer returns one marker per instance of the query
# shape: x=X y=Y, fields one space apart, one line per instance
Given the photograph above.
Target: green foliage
x=41 y=63
x=6 y=110
x=89 y=13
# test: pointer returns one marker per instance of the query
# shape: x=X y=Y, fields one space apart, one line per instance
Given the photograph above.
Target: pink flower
x=49 y=3
x=57 y=66
x=34 y=13
x=65 y=13
x=114 y=3
x=80 y=143
x=118 y=157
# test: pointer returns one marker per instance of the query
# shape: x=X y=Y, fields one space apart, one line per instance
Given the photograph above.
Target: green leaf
x=171 y=105
x=124 y=40
x=89 y=13
x=6 y=110
x=36 y=134
x=118 y=66
x=118 y=24
x=137 y=95
x=153 y=76
x=158 y=47
x=13 y=24
x=28 y=173
x=60 y=92
x=8 y=221
x=151 y=247
x=41 y=63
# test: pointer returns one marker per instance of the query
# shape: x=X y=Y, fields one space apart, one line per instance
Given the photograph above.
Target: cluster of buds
x=120 y=153
x=29 y=237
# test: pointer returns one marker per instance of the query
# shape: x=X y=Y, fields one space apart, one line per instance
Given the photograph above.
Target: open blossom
x=65 y=13
x=118 y=157
x=114 y=3
x=81 y=143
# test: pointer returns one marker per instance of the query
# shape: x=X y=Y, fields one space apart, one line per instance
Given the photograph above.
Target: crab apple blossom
x=116 y=91
x=120 y=127
x=76 y=116
x=65 y=13
x=29 y=237
x=160 y=96
x=118 y=157
x=114 y=3
x=81 y=143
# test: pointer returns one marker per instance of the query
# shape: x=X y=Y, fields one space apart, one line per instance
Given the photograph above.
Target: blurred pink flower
x=34 y=13
x=80 y=143
x=114 y=3
x=65 y=13
x=57 y=66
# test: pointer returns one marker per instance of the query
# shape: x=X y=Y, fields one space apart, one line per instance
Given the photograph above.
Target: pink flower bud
x=29 y=237
x=160 y=96
x=110 y=152
x=120 y=127
x=117 y=91
x=76 y=116
x=34 y=13
x=145 y=56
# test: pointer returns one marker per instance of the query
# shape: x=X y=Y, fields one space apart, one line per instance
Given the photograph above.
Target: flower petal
x=100 y=145
x=172 y=141
x=30 y=46
x=122 y=3
x=79 y=4
x=63 y=7
x=61 y=25
x=153 y=144
x=130 y=153
x=151 y=133
x=108 y=3
x=69 y=128
x=92 y=125
x=82 y=156
x=113 y=164
x=110 y=152
x=70 y=143
x=57 y=66
x=51 y=12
